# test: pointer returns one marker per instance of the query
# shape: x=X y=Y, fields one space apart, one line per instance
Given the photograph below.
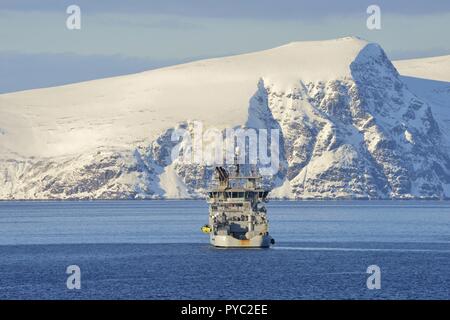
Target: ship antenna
x=253 y=170
x=237 y=152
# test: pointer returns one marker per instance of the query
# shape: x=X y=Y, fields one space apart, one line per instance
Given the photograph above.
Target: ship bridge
x=238 y=195
x=237 y=188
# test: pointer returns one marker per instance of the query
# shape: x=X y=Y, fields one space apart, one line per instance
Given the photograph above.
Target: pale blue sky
x=119 y=37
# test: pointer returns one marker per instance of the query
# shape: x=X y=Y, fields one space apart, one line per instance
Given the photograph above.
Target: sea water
x=155 y=250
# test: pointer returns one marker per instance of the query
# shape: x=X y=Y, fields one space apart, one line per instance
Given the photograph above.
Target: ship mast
x=237 y=152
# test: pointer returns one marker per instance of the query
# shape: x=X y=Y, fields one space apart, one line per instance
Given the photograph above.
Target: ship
x=237 y=211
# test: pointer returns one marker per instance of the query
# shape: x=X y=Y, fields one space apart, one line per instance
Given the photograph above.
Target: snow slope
x=350 y=127
x=434 y=68
x=429 y=78
x=136 y=108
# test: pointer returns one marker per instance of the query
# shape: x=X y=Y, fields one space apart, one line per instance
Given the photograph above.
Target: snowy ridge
x=429 y=79
x=351 y=127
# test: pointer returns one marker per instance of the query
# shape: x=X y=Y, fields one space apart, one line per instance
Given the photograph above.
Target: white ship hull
x=227 y=241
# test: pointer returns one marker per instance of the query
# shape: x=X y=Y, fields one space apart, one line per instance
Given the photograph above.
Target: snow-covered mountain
x=351 y=126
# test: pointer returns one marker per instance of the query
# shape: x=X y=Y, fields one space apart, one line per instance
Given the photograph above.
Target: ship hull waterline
x=227 y=241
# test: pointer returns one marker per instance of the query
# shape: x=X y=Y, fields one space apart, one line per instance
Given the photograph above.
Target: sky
x=120 y=37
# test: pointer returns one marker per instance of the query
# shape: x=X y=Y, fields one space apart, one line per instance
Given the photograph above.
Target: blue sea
x=155 y=250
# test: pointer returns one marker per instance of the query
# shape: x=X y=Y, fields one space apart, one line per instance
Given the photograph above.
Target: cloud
x=253 y=9
x=160 y=37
